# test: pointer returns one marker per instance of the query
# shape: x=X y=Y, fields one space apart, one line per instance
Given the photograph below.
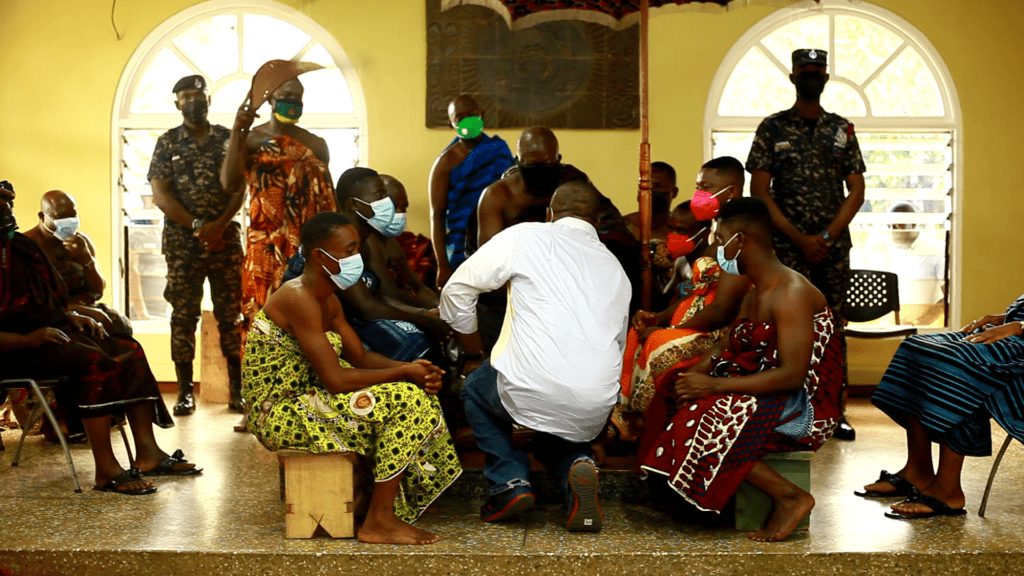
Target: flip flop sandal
x=902 y=485
x=939 y=508
x=166 y=466
x=130 y=475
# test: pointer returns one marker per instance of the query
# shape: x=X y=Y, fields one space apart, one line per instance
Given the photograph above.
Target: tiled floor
x=230 y=521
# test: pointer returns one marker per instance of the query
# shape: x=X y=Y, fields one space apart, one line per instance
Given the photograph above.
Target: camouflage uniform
x=193 y=168
x=809 y=170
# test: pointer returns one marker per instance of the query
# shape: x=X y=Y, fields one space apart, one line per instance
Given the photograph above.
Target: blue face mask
x=65 y=228
x=396 y=226
x=729 y=266
x=349 y=270
x=383 y=214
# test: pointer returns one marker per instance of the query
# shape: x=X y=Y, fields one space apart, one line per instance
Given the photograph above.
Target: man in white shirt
x=556 y=365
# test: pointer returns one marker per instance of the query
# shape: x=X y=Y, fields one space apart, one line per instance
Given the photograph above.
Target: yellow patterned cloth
x=396 y=424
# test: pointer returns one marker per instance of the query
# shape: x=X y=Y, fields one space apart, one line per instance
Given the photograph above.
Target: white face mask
x=729 y=266
x=65 y=228
x=349 y=270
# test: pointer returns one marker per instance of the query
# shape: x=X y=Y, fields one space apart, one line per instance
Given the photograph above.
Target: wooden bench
x=321 y=492
x=753 y=505
x=213 y=368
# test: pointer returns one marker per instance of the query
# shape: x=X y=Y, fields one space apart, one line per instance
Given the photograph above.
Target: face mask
x=680 y=245
x=705 y=205
x=660 y=203
x=540 y=179
x=809 y=85
x=288 y=110
x=195 y=111
x=65 y=228
x=470 y=127
x=395 y=227
x=349 y=270
x=729 y=266
x=383 y=214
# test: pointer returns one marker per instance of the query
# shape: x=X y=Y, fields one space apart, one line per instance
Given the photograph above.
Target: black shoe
x=507 y=505
x=845 y=431
x=186 y=403
x=237 y=405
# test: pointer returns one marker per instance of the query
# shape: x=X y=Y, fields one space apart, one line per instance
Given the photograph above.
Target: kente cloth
x=288 y=184
x=665 y=353
x=484 y=165
x=419 y=255
x=396 y=424
x=954 y=387
x=103 y=375
x=708 y=446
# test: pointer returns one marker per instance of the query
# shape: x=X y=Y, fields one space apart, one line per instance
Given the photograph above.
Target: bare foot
x=786 y=514
x=886 y=487
x=123 y=483
x=955 y=501
x=393 y=531
x=148 y=464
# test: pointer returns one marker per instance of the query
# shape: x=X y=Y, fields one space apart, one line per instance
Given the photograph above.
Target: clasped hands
x=211 y=236
x=425 y=375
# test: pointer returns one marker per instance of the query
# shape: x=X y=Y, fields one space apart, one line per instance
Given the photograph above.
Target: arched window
x=226 y=41
x=888 y=80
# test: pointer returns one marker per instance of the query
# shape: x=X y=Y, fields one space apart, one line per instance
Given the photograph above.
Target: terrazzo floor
x=229 y=520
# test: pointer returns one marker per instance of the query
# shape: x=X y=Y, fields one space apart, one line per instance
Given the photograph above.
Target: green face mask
x=470 y=127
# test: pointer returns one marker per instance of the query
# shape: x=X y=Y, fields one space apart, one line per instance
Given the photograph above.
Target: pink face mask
x=680 y=245
x=705 y=205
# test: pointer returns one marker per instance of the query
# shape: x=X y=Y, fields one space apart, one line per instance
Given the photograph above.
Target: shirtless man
x=469 y=164
x=401 y=285
x=73 y=255
x=785 y=346
x=663 y=192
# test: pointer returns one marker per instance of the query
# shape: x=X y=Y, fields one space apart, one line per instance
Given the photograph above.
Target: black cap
x=810 y=56
x=194 y=82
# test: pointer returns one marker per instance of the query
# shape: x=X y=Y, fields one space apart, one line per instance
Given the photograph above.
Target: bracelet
x=1021 y=324
x=825 y=235
x=197 y=223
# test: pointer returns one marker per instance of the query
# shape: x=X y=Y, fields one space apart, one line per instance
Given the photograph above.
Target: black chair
x=43 y=407
x=870 y=295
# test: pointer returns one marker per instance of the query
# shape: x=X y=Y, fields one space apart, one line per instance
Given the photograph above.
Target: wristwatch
x=197 y=223
x=825 y=235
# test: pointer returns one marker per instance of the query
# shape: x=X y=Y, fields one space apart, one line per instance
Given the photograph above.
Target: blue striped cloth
x=956 y=387
x=484 y=165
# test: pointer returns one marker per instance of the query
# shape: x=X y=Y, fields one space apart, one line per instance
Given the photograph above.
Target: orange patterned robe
x=288 y=184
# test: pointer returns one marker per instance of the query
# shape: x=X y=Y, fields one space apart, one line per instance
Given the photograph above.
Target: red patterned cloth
x=288 y=184
x=707 y=447
x=420 y=255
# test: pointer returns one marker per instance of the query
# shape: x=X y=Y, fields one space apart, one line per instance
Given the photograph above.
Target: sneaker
x=585 y=514
x=507 y=505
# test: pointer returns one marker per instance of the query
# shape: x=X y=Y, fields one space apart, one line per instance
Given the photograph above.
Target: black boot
x=186 y=398
x=235 y=384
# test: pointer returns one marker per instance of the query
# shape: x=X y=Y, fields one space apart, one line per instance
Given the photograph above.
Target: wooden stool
x=753 y=505
x=213 y=371
x=319 y=492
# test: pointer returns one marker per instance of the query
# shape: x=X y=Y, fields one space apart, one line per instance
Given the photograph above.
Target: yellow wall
x=60 y=65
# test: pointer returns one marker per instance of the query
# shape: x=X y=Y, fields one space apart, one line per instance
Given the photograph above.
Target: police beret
x=194 y=82
x=809 y=56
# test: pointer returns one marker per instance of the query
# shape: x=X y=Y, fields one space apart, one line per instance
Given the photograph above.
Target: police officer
x=799 y=162
x=200 y=239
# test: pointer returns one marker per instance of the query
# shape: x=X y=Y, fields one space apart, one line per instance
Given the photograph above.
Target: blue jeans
x=505 y=467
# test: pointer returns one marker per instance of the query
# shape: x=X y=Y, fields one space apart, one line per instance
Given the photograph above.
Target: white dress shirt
x=559 y=356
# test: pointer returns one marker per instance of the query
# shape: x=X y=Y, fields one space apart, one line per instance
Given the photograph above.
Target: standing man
x=556 y=369
x=799 y=162
x=470 y=163
x=200 y=239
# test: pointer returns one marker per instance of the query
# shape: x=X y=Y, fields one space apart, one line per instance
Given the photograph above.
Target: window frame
x=951 y=121
x=123 y=119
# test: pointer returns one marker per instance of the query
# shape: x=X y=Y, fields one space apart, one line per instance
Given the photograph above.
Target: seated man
x=944 y=388
x=71 y=252
x=401 y=286
x=661 y=345
x=470 y=163
x=557 y=370
x=400 y=332
x=772 y=386
x=663 y=192
x=107 y=376
x=301 y=396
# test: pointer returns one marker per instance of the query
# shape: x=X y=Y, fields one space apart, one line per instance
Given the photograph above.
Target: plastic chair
x=870 y=295
x=43 y=407
x=992 y=474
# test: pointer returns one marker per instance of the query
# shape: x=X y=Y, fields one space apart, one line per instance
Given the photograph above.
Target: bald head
x=462 y=107
x=576 y=199
x=57 y=204
x=396 y=191
x=538 y=145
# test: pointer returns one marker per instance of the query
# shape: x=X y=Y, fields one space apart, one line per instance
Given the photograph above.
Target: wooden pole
x=645 y=167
